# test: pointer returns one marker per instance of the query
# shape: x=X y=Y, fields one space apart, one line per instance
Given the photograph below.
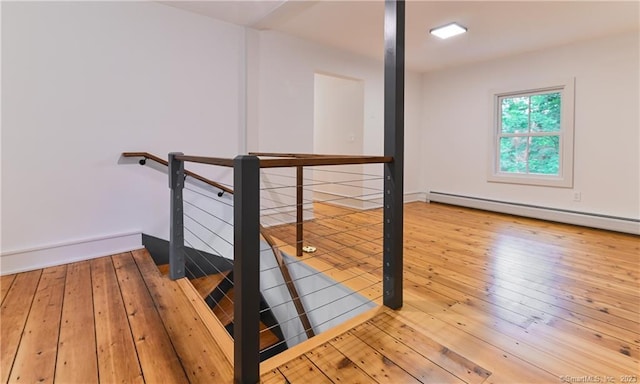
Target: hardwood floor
x=488 y=298
x=112 y=319
x=524 y=300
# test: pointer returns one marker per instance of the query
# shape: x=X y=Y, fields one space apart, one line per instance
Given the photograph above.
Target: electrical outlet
x=577 y=196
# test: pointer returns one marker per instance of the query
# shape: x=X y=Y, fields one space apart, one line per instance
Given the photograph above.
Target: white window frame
x=564 y=179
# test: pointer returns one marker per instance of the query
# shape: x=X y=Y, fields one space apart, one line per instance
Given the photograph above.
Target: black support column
x=176 y=217
x=393 y=146
x=246 y=269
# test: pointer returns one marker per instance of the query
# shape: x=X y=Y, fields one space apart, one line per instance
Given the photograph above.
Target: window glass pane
x=515 y=114
x=544 y=155
x=545 y=112
x=513 y=154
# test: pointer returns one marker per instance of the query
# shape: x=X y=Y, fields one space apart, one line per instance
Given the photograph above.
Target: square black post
x=246 y=269
x=176 y=225
x=393 y=146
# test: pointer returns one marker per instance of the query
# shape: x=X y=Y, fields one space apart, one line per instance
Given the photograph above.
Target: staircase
x=217 y=290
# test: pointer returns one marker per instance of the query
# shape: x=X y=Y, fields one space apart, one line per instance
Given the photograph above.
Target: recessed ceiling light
x=449 y=30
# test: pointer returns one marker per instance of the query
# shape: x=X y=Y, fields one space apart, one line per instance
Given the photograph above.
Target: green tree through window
x=529 y=133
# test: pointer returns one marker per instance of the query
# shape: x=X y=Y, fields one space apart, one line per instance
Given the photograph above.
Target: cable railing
x=317 y=257
x=302 y=241
x=207 y=224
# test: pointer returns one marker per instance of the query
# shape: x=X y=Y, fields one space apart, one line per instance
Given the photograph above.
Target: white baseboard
x=363 y=203
x=415 y=196
x=68 y=252
x=618 y=224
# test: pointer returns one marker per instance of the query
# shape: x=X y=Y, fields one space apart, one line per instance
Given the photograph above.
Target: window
x=532 y=140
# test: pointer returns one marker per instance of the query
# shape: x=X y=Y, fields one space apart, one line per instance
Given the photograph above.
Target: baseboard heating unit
x=594 y=220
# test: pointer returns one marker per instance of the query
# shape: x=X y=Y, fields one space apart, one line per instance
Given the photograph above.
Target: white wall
x=286 y=93
x=338 y=115
x=84 y=81
x=457 y=116
x=338 y=127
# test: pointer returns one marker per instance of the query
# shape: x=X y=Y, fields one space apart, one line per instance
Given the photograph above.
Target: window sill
x=537 y=180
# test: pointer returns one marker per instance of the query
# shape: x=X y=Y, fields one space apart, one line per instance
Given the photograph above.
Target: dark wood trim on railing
x=207 y=160
x=300 y=155
x=159 y=160
x=276 y=251
x=323 y=160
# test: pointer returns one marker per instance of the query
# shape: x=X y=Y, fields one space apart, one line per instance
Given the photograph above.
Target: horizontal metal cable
x=217 y=287
x=320 y=183
x=320 y=169
x=318 y=272
x=316 y=181
x=323 y=288
x=334 y=250
x=209 y=197
x=316 y=255
x=193 y=180
x=203 y=242
x=350 y=211
x=313 y=200
x=208 y=262
x=208 y=229
x=332 y=302
x=209 y=213
x=307 y=187
x=318 y=325
x=327 y=170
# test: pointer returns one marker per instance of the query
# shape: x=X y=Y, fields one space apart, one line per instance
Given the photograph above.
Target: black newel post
x=176 y=225
x=394 y=147
x=246 y=269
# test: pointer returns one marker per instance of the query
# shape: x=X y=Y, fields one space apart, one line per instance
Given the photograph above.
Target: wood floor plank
x=156 y=355
x=5 y=284
x=13 y=317
x=538 y=343
x=453 y=362
x=211 y=322
x=372 y=362
x=77 y=359
x=508 y=276
x=36 y=357
x=488 y=298
x=201 y=357
x=301 y=370
x=402 y=355
x=475 y=348
x=585 y=350
x=273 y=377
x=117 y=357
x=338 y=367
x=506 y=288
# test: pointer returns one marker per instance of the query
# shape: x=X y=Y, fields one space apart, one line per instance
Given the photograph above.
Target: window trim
x=566 y=88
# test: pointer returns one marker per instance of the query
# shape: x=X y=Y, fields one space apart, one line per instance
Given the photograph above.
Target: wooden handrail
x=276 y=251
x=206 y=160
x=281 y=160
x=164 y=162
x=322 y=160
x=302 y=155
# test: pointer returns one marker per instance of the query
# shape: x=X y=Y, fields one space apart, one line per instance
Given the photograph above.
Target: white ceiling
x=496 y=29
